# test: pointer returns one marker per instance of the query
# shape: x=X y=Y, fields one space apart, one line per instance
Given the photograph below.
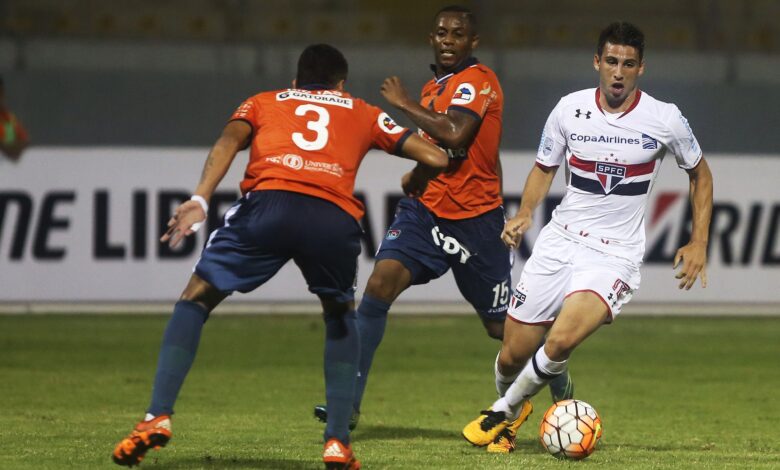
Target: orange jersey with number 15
x=470 y=186
x=312 y=142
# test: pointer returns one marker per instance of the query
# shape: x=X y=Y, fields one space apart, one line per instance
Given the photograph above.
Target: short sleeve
x=682 y=142
x=552 y=146
x=248 y=111
x=473 y=94
x=386 y=134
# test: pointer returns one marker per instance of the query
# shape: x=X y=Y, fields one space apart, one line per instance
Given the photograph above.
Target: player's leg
x=388 y=279
x=327 y=245
x=599 y=285
x=180 y=342
x=406 y=256
x=581 y=315
x=532 y=308
x=224 y=266
x=497 y=428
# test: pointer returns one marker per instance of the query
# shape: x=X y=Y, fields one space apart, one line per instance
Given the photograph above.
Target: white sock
x=149 y=417
x=503 y=381
x=529 y=382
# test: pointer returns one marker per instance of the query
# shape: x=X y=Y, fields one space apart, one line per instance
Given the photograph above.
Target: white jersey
x=613 y=160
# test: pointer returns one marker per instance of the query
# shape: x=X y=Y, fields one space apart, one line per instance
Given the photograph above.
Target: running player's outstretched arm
x=431 y=160
x=537 y=185
x=190 y=214
x=454 y=129
x=694 y=254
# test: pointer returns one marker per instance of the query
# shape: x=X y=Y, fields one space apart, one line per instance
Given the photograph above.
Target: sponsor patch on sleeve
x=387 y=124
x=464 y=94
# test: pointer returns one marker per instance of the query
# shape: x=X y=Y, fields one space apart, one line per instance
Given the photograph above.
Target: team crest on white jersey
x=464 y=94
x=610 y=175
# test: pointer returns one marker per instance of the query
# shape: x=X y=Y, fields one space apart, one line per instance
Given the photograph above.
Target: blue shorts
x=265 y=229
x=428 y=246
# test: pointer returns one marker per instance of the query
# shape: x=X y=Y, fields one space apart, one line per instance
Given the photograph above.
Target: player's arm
x=537 y=185
x=454 y=129
x=694 y=254
x=190 y=214
x=431 y=160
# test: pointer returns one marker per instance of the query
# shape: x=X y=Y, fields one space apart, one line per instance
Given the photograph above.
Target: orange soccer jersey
x=470 y=186
x=312 y=142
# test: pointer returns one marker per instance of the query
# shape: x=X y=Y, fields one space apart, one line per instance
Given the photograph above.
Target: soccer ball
x=570 y=429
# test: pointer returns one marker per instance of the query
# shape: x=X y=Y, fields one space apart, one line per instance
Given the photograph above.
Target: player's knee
x=203 y=293
x=509 y=361
x=559 y=347
x=495 y=329
x=383 y=286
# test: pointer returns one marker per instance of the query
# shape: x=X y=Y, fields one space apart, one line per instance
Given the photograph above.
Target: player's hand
x=185 y=221
x=694 y=264
x=514 y=230
x=413 y=184
x=394 y=92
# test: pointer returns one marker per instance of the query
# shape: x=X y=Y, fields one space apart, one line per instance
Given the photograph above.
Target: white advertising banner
x=82 y=224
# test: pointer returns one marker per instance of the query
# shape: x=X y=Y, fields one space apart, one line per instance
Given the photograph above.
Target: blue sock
x=179 y=344
x=372 y=318
x=342 y=346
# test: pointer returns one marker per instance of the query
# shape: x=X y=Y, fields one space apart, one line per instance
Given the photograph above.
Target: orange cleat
x=337 y=456
x=152 y=434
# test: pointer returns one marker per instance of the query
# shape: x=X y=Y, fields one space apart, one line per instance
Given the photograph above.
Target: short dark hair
x=624 y=34
x=465 y=11
x=321 y=64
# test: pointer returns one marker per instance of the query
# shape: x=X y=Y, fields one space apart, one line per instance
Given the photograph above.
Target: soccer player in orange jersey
x=456 y=224
x=13 y=136
x=306 y=144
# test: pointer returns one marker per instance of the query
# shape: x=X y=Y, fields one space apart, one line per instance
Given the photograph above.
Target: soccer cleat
x=484 y=430
x=505 y=441
x=562 y=387
x=152 y=434
x=321 y=413
x=337 y=456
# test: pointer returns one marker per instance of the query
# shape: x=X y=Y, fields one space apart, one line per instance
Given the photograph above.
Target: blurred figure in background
x=13 y=136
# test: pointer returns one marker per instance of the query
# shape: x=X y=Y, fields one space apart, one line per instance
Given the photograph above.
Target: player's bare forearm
x=694 y=254
x=234 y=137
x=431 y=160
x=452 y=129
x=537 y=185
x=701 y=185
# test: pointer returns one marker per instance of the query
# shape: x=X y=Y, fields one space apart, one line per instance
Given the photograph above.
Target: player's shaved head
x=459 y=9
x=321 y=64
x=624 y=34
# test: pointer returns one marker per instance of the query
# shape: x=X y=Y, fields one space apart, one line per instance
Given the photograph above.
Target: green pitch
x=672 y=393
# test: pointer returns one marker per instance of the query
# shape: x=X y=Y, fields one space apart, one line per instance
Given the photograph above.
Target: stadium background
x=108 y=78
x=122 y=99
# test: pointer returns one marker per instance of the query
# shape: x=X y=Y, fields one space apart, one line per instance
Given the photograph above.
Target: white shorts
x=560 y=267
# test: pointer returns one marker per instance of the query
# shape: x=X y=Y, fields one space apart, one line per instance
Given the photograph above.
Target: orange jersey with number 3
x=470 y=186
x=312 y=142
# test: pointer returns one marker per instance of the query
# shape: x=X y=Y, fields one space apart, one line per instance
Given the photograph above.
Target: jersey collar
x=315 y=86
x=466 y=64
x=630 y=108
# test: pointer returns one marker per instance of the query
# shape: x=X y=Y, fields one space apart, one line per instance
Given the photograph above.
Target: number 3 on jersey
x=318 y=125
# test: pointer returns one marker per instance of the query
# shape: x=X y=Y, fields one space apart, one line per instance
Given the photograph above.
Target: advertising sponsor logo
x=604 y=139
x=323 y=98
x=293 y=161
x=649 y=143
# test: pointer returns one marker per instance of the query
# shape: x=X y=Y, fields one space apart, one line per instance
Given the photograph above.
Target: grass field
x=672 y=393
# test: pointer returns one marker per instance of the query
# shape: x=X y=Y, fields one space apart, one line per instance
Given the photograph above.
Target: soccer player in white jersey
x=585 y=263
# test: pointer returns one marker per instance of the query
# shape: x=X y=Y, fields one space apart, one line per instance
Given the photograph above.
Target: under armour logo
x=587 y=115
